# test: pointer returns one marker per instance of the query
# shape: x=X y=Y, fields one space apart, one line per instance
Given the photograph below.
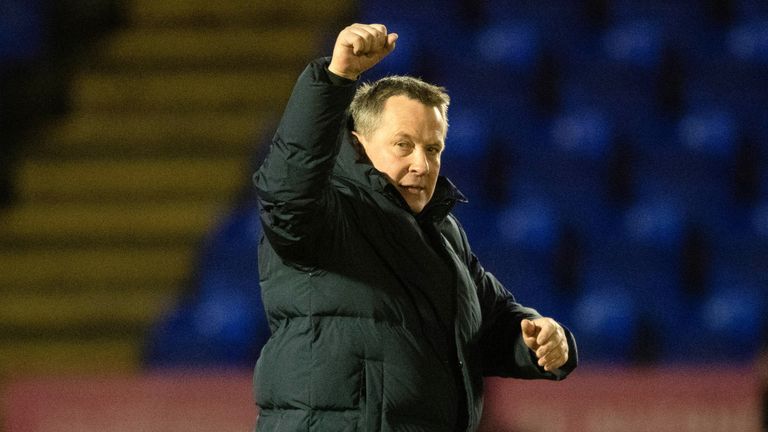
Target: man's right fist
x=359 y=47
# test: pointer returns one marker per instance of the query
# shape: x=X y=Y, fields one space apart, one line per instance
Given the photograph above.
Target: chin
x=417 y=207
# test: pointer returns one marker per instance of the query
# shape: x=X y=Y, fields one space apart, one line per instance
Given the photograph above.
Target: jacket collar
x=363 y=173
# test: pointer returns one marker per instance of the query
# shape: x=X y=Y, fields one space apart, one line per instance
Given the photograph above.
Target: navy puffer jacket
x=381 y=320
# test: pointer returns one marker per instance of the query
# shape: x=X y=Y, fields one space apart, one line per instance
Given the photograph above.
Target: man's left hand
x=546 y=338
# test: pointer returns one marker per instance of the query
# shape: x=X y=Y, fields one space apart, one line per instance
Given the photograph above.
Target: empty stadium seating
x=652 y=156
x=615 y=155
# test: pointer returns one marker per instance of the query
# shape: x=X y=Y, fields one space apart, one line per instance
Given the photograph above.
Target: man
x=382 y=319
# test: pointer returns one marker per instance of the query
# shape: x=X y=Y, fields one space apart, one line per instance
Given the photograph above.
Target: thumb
x=528 y=327
x=391 y=39
x=530 y=332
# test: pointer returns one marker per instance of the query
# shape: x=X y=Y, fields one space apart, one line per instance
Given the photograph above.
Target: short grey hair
x=369 y=100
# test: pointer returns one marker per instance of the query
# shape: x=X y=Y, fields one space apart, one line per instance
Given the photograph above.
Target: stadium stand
x=614 y=154
x=116 y=194
x=649 y=156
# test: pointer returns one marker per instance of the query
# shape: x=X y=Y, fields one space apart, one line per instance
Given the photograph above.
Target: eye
x=404 y=146
x=434 y=150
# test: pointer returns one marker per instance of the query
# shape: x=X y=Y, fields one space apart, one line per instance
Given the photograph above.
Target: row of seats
x=614 y=156
x=625 y=274
x=221 y=320
x=624 y=299
x=614 y=153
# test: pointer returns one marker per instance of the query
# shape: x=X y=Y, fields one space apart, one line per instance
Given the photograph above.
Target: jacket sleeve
x=293 y=182
x=504 y=352
x=501 y=342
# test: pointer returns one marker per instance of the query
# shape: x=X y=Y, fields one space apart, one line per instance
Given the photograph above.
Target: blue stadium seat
x=515 y=45
x=470 y=132
x=529 y=224
x=605 y=318
x=759 y=219
x=627 y=94
x=748 y=42
x=650 y=277
x=559 y=19
x=222 y=320
x=500 y=79
x=731 y=321
x=742 y=256
x=655 y=223
x=468 y=146
x=759 y=130
x=678 y=17
x=733 y=316
x=638 y=43
x=585 y=133
x=515 y=245
x=528 y=276
x=572 y=170
x=712 y=132
x=690 y=167
x=568 y=169
x=21 y=30
x=738 y=87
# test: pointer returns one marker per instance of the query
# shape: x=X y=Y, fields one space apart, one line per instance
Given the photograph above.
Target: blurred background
x=614 y=152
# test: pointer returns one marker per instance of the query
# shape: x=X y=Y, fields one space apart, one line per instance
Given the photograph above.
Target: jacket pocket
x=371 y=395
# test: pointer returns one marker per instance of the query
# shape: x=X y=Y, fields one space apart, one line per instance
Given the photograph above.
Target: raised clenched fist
x=359 y=47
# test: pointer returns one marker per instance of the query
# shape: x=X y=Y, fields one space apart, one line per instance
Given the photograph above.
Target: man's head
x=401 y=124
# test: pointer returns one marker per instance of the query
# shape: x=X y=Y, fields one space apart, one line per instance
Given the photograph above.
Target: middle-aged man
x=382 y=319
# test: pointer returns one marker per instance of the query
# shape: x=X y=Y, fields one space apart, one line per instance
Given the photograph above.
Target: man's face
x=406 y=147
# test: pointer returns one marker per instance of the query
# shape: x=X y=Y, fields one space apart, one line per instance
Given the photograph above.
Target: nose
x=419 y=163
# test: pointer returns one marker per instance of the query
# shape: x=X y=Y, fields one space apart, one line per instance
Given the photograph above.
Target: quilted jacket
x=381 y=320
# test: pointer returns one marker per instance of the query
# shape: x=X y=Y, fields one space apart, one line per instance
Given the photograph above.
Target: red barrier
x=592 y=400
x=172 y=402
x=654 y=400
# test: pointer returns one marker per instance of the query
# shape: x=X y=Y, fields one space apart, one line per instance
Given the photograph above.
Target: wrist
x=336 y=71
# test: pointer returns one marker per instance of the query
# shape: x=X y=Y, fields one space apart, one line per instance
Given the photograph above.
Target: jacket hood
x=349 y=165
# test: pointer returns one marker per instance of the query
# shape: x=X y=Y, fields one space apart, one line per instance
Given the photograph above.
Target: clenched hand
x=359 y=47
x=546 y=338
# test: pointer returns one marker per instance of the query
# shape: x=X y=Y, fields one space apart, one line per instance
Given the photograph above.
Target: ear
x=359 y=142
x=359 y=137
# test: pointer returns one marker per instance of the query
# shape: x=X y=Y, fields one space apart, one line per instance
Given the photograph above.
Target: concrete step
x=130 y=134
x=182 y=91
x=111 y=355
x=133 y=180
x=176 y=222
x=166 y=114
x=227 y=12
x=159 y=48
x=52 y=310
x=163 y=267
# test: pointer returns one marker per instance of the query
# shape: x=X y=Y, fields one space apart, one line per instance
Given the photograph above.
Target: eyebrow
x=410 y=137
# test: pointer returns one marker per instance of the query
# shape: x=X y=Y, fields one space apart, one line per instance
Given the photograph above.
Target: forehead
x=403 y=113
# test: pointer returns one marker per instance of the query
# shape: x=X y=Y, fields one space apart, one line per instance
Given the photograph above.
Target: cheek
x=435 y=167
x=397 y=169
x=389 y=164
x=394 y=164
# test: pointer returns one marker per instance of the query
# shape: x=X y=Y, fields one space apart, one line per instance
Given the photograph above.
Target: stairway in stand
x=116 y=196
